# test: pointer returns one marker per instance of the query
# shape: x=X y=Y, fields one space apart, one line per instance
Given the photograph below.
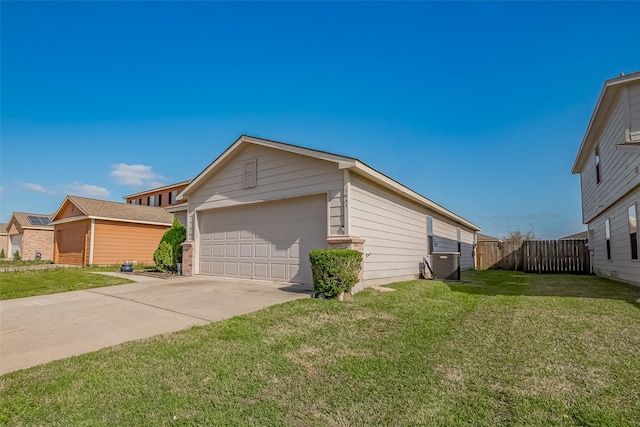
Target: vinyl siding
x=395 y=232
x=617 y=168
x=69 y=210
x=634 y=109
x=620 y=266
x=279 y=175
x=116 y=242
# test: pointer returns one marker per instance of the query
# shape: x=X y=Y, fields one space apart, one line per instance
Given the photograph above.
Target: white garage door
x=267 y=241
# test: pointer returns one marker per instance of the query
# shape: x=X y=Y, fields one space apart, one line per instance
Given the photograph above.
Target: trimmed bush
x=163 y=257
x=16 y=255
x=335 y=270
x=2 y=254
x=174 y=237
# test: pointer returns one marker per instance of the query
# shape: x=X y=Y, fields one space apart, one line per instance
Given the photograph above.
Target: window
x=429 y=235
x=172 y=196
x=597 y=164
x=633 y=231
x=250 y=173
x=154 y=200
x=607 y=235
x=459 y=243
x=139 y=201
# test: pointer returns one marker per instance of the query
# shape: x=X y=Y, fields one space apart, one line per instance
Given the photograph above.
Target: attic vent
x=250 y=173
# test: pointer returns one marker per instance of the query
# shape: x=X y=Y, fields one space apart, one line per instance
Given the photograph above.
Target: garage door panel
x=269 y=241
x=218 y=268
x=245 y=251
x=261 y=250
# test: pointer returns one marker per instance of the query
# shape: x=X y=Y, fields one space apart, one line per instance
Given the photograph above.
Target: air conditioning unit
x=446 y=265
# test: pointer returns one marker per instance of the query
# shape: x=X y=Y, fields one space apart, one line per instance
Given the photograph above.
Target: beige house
x=262 y=205
x=30 y=233
x=98 y=232
x=608 y=162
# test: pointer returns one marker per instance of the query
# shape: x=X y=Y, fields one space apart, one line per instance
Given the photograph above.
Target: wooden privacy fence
x=538 y=256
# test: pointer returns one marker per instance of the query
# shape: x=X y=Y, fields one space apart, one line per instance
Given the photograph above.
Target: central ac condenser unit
x=446 y=265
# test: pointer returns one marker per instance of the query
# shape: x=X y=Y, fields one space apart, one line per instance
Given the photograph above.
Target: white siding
x=395 y=232
x=620 y=266
x=617 y=168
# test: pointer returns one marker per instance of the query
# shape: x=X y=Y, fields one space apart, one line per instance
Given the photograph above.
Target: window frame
x=633 y=230
x=597 y=160
x=250 y=173
x=607 y=237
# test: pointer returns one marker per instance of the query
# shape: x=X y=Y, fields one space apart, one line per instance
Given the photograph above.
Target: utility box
x=446 y=265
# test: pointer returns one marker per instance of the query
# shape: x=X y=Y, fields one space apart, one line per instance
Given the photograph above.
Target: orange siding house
x=98 y=232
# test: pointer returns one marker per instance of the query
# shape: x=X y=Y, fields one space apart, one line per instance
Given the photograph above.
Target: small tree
x=163 y=257
x=518 y=236
x=335 y=271
x=174 y=237
x=2 y=254
x=16 y=255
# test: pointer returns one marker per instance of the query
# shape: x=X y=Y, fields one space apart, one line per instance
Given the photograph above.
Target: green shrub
x=163 y=257
x=16 y=255
x=2 y=254
x=174 y=237
x=335 y=270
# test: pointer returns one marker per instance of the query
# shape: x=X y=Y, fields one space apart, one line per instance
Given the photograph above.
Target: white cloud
x=35 y=187
x=89 y=190
x=136 y=175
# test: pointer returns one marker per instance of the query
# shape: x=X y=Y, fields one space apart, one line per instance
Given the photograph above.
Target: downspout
x=91 y=240
x=346 y=204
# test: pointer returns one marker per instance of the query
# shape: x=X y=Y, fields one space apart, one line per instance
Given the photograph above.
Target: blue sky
x=479 y=106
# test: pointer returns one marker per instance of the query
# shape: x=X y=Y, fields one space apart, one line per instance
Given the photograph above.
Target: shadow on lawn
x=493 y=283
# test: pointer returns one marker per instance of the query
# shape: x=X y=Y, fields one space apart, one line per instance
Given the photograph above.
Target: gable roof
x=115 y=211
x=577 y=236
x=22 y=218
x=3 y=227
x=153 y=190
x=487 y=238
x=608 y=95
x=343 y=162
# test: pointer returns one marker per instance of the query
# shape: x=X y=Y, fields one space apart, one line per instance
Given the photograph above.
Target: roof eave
x=608 y=94
x=395 y=186
x=342 y=161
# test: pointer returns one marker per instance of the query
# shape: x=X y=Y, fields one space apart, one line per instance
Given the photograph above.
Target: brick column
x=187 y=258
x=348 y=242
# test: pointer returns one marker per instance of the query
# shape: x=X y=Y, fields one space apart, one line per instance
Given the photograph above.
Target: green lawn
x=501 y=348
x=11 y=263
x=27 y=283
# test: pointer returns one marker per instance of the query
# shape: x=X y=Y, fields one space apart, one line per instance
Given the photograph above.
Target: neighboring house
x=98 y=232
x=163 y=197
x=159 y=197
x=486 y=238
x=4 y=239
x=608 y=162
x=262 y=205
x=29 y=233
x=583 y=235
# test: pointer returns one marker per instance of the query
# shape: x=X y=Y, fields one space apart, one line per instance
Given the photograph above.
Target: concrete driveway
x=40 y=329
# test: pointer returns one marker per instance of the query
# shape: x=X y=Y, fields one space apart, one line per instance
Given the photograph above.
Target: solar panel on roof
x=38 y=220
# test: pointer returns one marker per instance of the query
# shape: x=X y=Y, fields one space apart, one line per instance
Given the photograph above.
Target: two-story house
x=163 y=197
x=608 y=162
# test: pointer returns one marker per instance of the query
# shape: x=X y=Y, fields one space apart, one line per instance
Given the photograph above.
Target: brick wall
x=37 y=240
x=4 y=244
